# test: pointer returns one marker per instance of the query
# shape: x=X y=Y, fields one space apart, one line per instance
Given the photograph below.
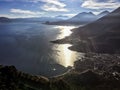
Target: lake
x=27 y=46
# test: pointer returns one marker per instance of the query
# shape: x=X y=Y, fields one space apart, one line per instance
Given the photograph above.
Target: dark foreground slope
x=94 y=72
x=101 y=36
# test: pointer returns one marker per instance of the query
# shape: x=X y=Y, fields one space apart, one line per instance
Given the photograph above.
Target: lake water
x=27 y=46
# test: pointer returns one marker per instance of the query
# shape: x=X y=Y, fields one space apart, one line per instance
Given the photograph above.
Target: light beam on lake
x=66 y=57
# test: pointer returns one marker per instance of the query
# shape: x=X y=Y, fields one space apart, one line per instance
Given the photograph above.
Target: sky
x=52 y=8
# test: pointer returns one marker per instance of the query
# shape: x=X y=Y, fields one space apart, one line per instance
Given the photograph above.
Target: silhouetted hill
x=4 y=19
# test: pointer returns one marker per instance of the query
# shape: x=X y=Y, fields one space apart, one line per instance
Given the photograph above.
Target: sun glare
x=66 y=56
x=65 y=31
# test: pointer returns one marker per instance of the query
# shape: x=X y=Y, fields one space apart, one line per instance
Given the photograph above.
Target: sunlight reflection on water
x=66 y=56
x=65 y=31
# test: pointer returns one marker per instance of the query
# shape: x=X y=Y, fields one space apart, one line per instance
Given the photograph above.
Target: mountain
x=103 y=14
x=4 y=19
x=81 y=18
x=102 y=35
x=106 y=23
x=87 y=17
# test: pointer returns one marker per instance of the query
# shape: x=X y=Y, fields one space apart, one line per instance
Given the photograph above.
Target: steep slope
x=103 y=34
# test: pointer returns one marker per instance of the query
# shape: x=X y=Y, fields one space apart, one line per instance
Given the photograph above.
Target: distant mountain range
x=108 y=23
x=103 y=35
x=38 y=19
x=103 y=14
x=81 y=18
x=4 y=19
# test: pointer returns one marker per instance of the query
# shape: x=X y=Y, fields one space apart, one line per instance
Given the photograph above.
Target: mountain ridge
x=80 y=18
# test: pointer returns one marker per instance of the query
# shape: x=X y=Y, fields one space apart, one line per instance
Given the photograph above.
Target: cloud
x=52 y=5
x=48 y=5
x=55 y=8
x=20 y=11
x=55 y=2
x=25 y=13
x=100 y=4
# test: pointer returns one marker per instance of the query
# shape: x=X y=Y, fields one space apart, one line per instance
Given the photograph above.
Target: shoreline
x=93 y=72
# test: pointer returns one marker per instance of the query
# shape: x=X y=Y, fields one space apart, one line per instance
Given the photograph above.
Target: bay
x=27 y=46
